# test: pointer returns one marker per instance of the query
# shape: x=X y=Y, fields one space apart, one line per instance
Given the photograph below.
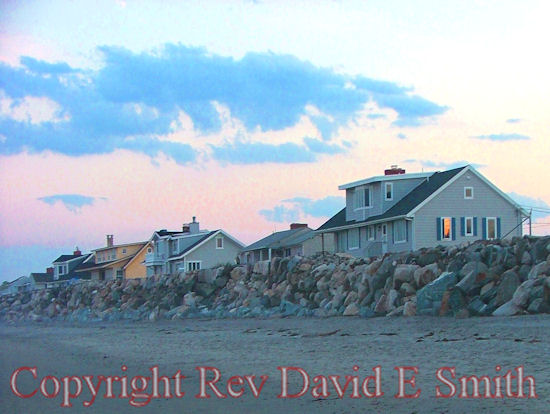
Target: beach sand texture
x=331 y=346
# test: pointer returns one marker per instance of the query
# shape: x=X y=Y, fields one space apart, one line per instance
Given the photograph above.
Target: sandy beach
x=331 y=346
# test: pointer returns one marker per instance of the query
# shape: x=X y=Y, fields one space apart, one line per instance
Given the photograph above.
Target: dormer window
x=363 y=198
x=388 y=191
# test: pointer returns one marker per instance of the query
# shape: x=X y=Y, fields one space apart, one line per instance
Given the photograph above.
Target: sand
x=331 y=346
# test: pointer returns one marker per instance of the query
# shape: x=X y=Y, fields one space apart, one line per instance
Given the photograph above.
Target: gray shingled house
x=400 y=212
x=190 y=249
x=295 y=241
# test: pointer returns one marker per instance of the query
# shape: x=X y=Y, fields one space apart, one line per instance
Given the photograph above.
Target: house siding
x=451 y=203
x=136 y=268
x=209 y=256
x=400 y=189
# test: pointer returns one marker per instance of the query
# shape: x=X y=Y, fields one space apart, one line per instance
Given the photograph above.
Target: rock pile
x=506 y=277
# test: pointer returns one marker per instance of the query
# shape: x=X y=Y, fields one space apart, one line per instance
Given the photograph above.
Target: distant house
x=298 y=240
x=401 y=212
x=19 y=285
x=41 y=281
x=135 y=268
x=107 y=263
x=189 y=249
x=65 y=266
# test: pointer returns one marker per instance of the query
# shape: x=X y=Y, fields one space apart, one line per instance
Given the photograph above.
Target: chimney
x=49 y=270
x=194 y=226
x=394 y=170
x=294 y=226
x=77 y=252
x=185 y=228
x=109 y=240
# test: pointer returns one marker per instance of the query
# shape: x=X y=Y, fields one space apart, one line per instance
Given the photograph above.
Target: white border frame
x=466 y=234
x=386 y=193
x=487 y=228
x=443 y=229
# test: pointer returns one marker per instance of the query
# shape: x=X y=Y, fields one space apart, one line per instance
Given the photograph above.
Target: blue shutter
x=475 y=226
x=453 y=228
x=407 y=230
x=462 y=226
x=498 y=227
x=484 y=228
x=438 y=227
x=393 y=232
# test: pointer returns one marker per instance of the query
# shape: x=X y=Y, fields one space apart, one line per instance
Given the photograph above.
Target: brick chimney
x=194 y=226
x=394 y=170
x=49 y=270
x=110 y=240
x=295 y=226
x=77 y=252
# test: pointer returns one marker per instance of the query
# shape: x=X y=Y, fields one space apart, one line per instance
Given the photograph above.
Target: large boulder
x=403 y=273
x=424 y=275
x=428 y=299
x=508 y=285
x=508 y=309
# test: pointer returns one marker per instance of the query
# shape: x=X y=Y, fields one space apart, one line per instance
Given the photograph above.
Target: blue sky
x=121 y=117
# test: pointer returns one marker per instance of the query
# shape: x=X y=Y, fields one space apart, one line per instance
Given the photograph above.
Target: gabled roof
x=117 y=246
x=379 y=178
x=188 y=242
x=42 y=277
x=280 y=239
x=404 y=206
x=148 y=244
x=66 y=258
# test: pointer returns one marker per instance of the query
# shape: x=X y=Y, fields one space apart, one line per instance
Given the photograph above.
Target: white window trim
x=443 y=229
x=466 y=234
x=468 y=188
x=370 y=198
x=487 y=228
x=386 y=193
x=219 y=238
x=358 y=237
x=193 y=262
x=405 y=234
x=372 y=233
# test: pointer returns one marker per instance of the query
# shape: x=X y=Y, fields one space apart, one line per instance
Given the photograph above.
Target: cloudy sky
x=121 y=117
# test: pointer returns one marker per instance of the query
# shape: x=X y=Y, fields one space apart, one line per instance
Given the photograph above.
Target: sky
x=123 y=117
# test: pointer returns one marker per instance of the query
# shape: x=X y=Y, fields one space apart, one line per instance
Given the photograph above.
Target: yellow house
x=135 y=268
x=108 y=262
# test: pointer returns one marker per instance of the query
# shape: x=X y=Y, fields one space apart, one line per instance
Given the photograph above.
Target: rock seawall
x=499 y=278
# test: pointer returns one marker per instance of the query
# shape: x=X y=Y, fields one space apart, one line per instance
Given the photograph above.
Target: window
x=469 y=226
x=353 y=239
x=446 y=229
x=468 y=193
x=388 y=191
x=219 y=243
x=400 y=231
x=287 y=252
x=175 y=246
x=370 y=233
x=342 y=241
x=363 y=198
x=149 y=250
x=491 y=228
x=60 y=270
x=119 y=274
x=196 y=265
x=123 y=251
